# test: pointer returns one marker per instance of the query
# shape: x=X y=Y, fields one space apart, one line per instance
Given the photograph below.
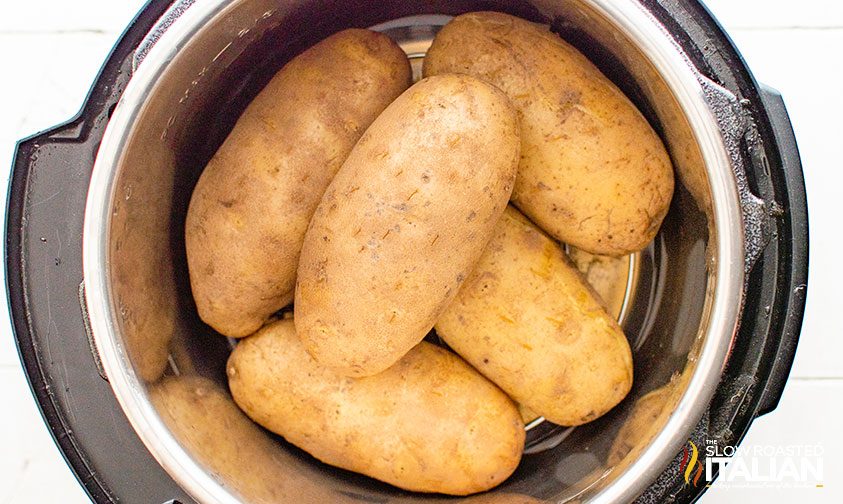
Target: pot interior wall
x=188 y=115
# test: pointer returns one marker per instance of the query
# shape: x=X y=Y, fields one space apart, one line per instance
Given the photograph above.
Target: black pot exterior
x=762 y=353
x=43 y=255
x=45 y=213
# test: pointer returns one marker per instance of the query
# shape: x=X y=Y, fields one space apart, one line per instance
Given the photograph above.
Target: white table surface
x=50 y=52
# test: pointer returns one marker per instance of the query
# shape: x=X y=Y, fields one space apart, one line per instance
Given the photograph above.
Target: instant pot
x=97 y=275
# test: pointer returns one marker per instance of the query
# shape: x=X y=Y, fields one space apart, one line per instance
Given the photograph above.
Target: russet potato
x=251 y=206
x=430 y=423
x=404 y=221
x=527 y=320
x=593 y=173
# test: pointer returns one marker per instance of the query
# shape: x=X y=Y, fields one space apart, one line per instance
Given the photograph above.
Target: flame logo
x=690 y=460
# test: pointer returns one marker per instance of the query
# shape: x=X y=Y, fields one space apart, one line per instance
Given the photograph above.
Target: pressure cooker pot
x=99 y=288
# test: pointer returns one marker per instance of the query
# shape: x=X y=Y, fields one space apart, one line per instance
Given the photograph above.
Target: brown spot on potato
x=321 y=271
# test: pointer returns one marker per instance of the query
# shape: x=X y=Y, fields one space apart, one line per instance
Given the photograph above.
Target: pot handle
x=793 y=226
x=60 y=160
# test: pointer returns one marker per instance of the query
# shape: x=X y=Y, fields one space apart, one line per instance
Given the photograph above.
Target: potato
x=207 y=423
x=496 y=497
x=250 y=209
x=527 y=320
x=609 y=276
x=430 y=423
x=640 y=425
x=404 y=221
x=646 y=419
x=593 y=172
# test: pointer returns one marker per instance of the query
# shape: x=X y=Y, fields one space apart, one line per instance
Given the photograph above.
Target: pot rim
x=726 y=273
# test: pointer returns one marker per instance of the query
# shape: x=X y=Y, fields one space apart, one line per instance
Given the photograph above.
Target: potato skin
x=430 y=423
x=251 y=206
x=204 y=419
x=608 y=276
x=527 y=321
x=640 y=425
x=404 y=221
x=593 y=172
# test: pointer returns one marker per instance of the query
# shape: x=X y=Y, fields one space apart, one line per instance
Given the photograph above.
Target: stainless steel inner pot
x=192 y=79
